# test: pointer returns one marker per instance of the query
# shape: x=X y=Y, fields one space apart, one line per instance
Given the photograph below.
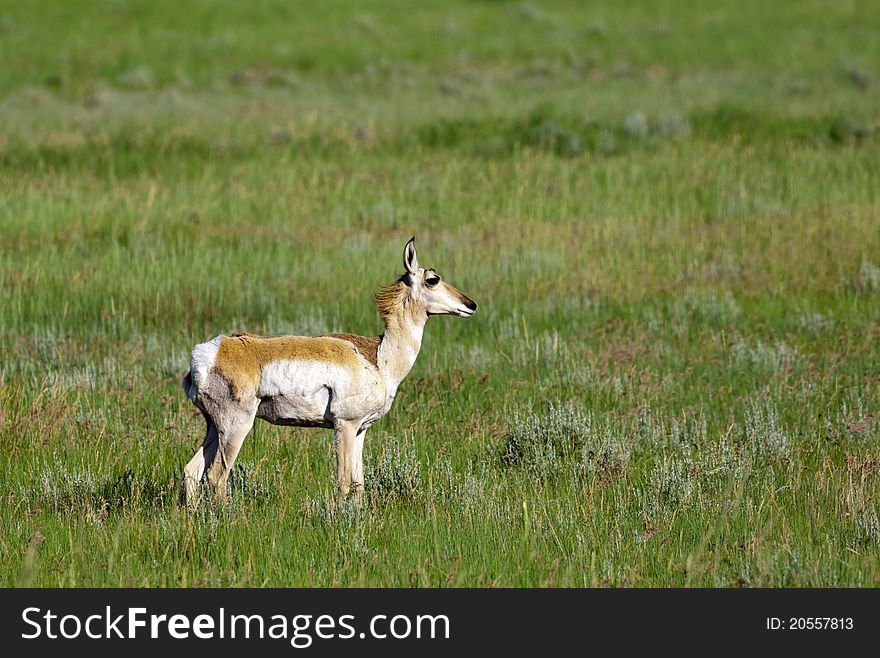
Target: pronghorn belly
x=310 y=392
x=303 y=379
x=299 y=392
x=298 y=412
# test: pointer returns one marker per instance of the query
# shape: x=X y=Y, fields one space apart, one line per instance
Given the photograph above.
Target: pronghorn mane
x=391 y=299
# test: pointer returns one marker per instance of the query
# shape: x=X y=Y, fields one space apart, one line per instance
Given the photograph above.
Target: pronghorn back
x=241 y=358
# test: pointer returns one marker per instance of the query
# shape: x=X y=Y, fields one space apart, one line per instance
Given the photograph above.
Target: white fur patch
x=302 y=378
x=303 y=389
x=203 y=357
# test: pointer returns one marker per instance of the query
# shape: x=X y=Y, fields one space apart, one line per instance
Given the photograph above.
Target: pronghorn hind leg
x=195 y=469
x=231 y=434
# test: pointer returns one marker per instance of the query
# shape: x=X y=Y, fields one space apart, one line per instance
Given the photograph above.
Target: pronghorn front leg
x=358 y=474
x=346 y=440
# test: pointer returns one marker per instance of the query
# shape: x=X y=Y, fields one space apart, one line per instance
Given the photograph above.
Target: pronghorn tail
x=203 y=357
x=187 y=383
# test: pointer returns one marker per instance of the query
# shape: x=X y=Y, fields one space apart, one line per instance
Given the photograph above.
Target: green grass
x=667 y=214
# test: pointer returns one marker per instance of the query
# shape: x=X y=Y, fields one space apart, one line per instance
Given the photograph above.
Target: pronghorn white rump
x=343 y=382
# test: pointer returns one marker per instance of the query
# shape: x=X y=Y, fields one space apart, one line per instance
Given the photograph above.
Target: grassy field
x=667 y=213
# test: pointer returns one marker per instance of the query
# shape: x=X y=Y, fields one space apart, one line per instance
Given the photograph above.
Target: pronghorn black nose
x=471 y=304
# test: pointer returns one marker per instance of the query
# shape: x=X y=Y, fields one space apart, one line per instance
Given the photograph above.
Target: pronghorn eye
x=432 y=280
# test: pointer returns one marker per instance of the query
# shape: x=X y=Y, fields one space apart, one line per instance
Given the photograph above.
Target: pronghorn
x=341 y=382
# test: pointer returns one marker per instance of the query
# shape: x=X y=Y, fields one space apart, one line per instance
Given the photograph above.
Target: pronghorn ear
x=410 y=258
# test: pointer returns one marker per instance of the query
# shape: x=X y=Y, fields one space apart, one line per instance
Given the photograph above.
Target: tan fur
x=367 y=346
x=241 y=357
x=391 y=299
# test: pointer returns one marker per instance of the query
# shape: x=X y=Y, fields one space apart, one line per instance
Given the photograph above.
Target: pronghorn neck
x=401 y=341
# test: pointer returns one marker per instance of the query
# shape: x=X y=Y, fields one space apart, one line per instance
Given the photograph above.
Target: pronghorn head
x=426 y=286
